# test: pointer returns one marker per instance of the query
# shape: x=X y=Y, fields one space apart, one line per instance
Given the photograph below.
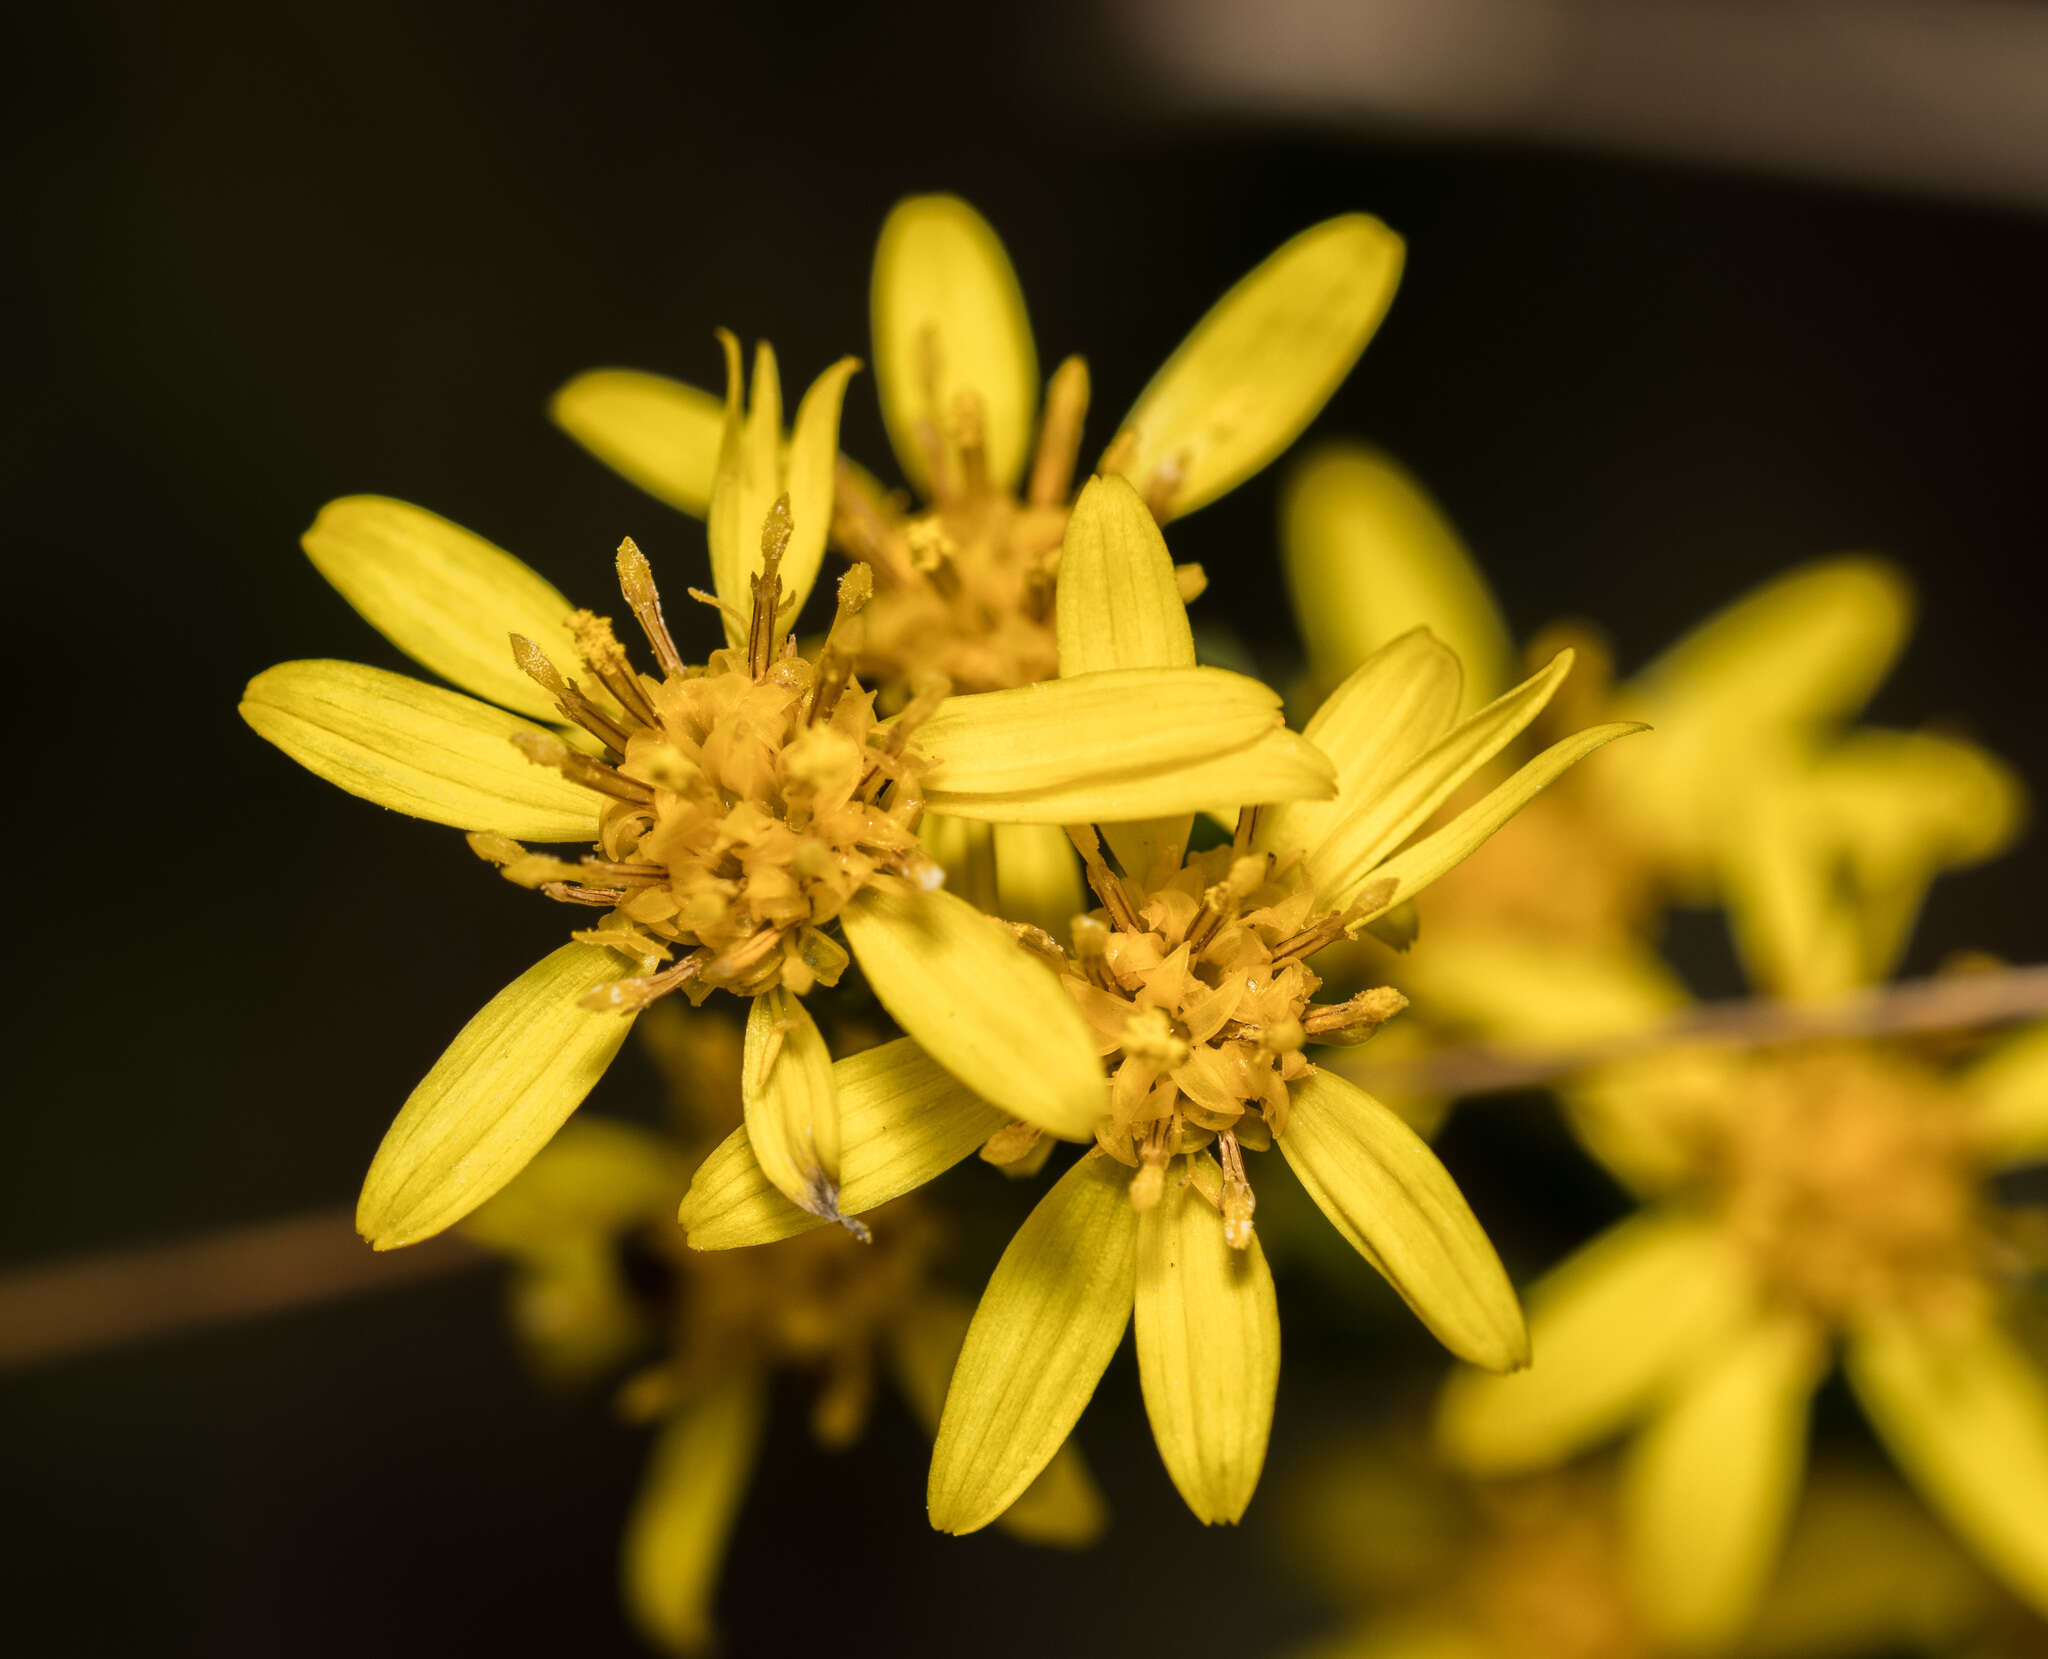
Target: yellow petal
x=1364 y=827
x=1384 y=1190
x=1395 y=707
x=416 y=749
x=443 y=595
x=505 y=1085
x=1810 y=646
x=1038 y=878
x=2008 y=1094
x=677 y=1529
x=1119 y=606
x=980 y=1004
x=655 y=432
x=1063 y=1508
x=754 y=470
x=949 y=322
x=1534 y=991
x=903 y=1120
x=792 y=1110
x=1208 y=1351
x=965 y=848
x=1113 y=747
x=1052 y=1316
x=1261 y=364
x=1369 y=556
x=1709 y=1486
x=592 y=1181
x=1965 y=1413
x=1414 y=868
x=1609 y=1331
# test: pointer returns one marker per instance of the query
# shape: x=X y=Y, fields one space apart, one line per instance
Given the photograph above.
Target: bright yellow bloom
x=735 y=811
x=602 y=1281
x=1424 y=1566
x=1195 y=981
x=965 y=583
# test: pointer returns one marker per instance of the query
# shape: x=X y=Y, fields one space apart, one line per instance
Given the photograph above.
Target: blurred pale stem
x=98 y=1302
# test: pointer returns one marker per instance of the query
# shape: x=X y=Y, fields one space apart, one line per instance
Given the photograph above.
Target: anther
x=545 y=749
x=970 y=438
x=606 y=658
x=1108 y=888
x=636 y=582
x=1238 y=1198
x=762 y=630
x=1191 y=582
x=835 y=661
x=630 y=995
x=1354 y=1020
x=533 y=663
x=1059 y=434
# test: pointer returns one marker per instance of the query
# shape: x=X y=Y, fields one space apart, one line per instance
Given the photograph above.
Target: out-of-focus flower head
x=965 y=580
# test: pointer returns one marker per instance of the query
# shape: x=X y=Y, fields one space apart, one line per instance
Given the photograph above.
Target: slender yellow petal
x=792 y=1109
x=1965 y=1413
x=754 y=470
x=416 y=749
x=594 y=1179
x=1810 y=646
x=1394 y=708
x=1609 y=1331
x=1260 y=365
x=1113 y=747
x=1797 y=926
x=1364 y=827
x=658 y=433
x=1063 y=1508
x=1414 y=868
x=1709 y=1487
x=1051 y=1318
x=1038 y=877
x=2008 y=1094
x=1208 y=1351
x=443 y=595
x=677 y=1530
x=980 y=1004
x=1119 y=606
x=505 y=1085
x=1385 y=1191
x=949 y=322
x=1369 y=556
x=903 y=1120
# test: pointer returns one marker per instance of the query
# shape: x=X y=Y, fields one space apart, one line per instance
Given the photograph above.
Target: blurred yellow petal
x=1260 y=365
x=443 y=595
x=505 y=1085
x=658 y=433
x=676 y=1532
x=1415 y=868
x=1965 y=1412
x=1208 y=1351
x=903 y=1120
x=1538 y=992
x=1063 y=1508
x=1391 y=710
x=2008 y=1094
x=1363 y=828
x=1809 y=646
x=792 y=1109
x=596 y=1178
x=1111 y=747
x=1609 y=1330
x=1709 y=1486
x=949 y=320
x=1385 y=1191
x=576 y=1320
x=754 y=470
x=1369 y=556
x=416 y=749
x=1038 y=877
x=980 y=1004
x=1796 y=926
x=1051 y=1318
x=1119 y=606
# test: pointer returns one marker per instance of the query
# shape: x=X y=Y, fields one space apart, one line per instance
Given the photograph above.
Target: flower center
x=740 y=805
x=1852 y=1182
x=1200 y=996
x=1546 y=1577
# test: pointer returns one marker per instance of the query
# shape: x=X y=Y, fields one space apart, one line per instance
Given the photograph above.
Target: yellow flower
x=1422 y=1564
x=735 y=811
x=600 y=1196
x=1195 y=983
x=965 y=583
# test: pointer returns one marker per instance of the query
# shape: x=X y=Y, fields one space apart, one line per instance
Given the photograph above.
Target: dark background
x=277 y=255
